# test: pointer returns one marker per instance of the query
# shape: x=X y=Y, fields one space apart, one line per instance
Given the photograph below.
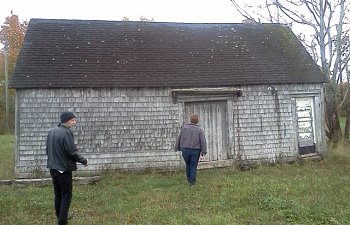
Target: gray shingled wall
x=127 y=128
x=136 y=128
x=264 y=121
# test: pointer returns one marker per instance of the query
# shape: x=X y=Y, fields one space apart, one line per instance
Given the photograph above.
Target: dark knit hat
x=66 y=116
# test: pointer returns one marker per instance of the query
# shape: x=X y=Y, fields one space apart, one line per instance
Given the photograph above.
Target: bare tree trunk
x=347 y=122
x=334 y=133
x=6 y=88
x=347 y=126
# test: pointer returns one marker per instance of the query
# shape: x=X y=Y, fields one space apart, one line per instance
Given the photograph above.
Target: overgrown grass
x=300 y=193
x=6 y=156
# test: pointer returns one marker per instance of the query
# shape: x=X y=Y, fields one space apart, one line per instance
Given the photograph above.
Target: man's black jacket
x=61 y=151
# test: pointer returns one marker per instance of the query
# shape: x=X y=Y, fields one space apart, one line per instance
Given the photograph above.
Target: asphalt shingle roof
x=91 y=53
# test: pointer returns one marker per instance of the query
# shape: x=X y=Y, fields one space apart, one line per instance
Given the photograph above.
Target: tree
x=347 y=106
x=325 y=35
x=11 y=37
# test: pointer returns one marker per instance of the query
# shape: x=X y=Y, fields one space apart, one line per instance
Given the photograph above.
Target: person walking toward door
x=62 y=158
x=192 y=143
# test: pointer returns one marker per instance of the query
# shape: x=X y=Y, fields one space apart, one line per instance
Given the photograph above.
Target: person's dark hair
x=194 y=118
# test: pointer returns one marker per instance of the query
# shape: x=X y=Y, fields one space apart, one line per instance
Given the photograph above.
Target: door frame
x=230 y=95
x=311 y=147
x=318 y=119
x=216 y=130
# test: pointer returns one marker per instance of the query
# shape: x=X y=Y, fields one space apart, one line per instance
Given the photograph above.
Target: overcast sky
x=197 y=11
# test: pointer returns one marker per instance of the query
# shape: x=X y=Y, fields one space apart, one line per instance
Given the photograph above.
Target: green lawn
x=6 y=157
x=301 y=193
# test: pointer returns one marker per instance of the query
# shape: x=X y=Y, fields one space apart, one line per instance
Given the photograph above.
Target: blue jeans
x=191 y=157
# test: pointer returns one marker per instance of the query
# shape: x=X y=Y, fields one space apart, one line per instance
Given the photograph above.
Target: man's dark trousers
x=191 y=157
x=62 y=183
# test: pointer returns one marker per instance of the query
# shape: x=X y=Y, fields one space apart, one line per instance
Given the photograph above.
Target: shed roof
x=92 y=53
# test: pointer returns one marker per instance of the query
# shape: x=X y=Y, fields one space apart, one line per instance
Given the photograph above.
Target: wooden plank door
x=213 y=120
x=305 y=125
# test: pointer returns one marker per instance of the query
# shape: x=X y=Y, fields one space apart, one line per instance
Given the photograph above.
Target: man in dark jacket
x=62 y=157
x=191 y=142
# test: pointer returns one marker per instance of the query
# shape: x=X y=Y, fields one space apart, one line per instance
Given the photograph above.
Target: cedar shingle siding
x=258 y=93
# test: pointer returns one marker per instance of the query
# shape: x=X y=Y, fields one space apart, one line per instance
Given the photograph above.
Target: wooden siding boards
x=115 y=126
x=136 y=128
x=265 y=124
x=213 y=120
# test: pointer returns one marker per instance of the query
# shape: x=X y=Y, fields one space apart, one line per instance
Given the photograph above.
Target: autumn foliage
x=12 y=33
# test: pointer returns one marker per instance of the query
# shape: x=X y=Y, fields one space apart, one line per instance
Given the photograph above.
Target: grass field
x=300 y=193
x=6 y=156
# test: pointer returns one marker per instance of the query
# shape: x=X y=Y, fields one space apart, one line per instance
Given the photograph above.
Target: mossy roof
x=96 y=54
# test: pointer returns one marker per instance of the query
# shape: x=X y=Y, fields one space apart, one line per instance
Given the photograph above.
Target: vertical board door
x=305 y=125
x=213 y=120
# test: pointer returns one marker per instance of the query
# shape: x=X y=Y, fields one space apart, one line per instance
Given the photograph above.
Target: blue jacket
x=62 y=153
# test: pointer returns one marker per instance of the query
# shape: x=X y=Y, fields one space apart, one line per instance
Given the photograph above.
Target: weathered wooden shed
x=258 y=93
